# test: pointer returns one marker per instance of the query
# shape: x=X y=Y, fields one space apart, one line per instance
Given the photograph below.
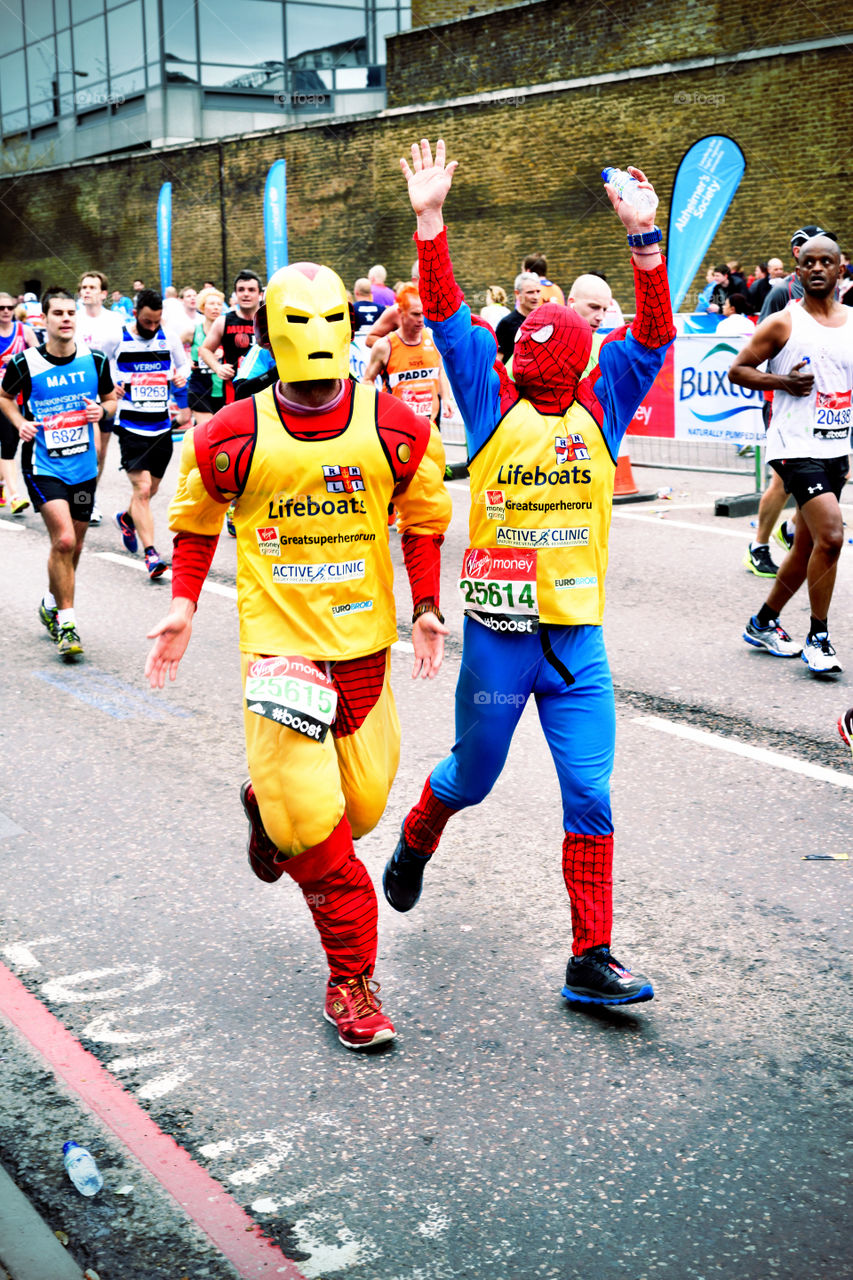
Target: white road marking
x=435 y=1223
x=11 y=524
x=9 y=828
x=20 y=953
x=759 y=754
x=327 y=1257
x=215 y=588
x=681 y=524
x=67 y=989
x=161 y=1085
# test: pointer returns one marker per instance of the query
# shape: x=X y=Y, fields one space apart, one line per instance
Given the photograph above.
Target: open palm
x=429 y=180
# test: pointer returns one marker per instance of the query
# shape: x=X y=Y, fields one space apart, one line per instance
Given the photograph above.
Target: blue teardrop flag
x=705 y=183
x=275 y=217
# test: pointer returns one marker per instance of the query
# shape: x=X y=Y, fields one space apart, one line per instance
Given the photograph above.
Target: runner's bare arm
x=767 y=341
x=206 y=352
x=379 y=357
x=26 y=430
x=387 y=323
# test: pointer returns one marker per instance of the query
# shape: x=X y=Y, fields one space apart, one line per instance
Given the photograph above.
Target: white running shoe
x=95 y=518
x=774 y=639
x=820 y=657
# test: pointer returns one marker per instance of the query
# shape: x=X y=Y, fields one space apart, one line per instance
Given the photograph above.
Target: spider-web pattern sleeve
x=439 y=291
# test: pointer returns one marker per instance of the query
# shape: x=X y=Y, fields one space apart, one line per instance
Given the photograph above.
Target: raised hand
x=428 y=180
x=633 y=220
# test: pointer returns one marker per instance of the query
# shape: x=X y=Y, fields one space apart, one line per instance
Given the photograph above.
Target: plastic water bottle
x=82 y=1170
x=629 y=190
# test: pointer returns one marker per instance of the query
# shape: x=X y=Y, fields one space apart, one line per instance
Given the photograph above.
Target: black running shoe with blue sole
x=597 y=977
x=403 y=877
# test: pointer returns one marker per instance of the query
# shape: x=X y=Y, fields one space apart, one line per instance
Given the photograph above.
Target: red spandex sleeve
x=422 y=556
x=191 y=560
x=439 y=292
x=652 y=325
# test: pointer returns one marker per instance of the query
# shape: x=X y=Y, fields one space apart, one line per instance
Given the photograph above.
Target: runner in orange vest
x=410 y=367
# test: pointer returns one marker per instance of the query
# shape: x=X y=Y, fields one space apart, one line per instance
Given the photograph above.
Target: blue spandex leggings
x=566 y=670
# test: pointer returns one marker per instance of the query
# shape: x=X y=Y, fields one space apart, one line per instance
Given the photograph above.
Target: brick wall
x=528 y=179
x=544 y=40
x=427 y=13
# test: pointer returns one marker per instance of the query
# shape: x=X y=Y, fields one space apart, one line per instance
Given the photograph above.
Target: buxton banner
x=275 y=217
x=705 y=183
x=164 y=235
x=692 y=398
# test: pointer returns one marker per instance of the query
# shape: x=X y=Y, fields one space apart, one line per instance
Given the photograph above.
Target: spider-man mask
x=551 y=352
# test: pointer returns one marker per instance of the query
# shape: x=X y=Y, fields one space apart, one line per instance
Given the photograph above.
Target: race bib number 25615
x=294 y=692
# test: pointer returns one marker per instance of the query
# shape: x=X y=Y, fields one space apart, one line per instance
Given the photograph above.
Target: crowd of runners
x=266 y=385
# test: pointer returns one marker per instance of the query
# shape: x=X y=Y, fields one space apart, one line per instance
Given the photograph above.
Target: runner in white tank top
x=816 y=425
x=809 y=349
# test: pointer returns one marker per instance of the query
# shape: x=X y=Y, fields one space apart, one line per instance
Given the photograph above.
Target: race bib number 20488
x=293 y=692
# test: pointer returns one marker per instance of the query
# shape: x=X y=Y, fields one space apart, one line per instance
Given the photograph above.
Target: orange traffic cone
x=625 y=488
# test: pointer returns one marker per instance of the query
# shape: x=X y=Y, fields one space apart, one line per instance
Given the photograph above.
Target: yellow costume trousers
x=304 y=787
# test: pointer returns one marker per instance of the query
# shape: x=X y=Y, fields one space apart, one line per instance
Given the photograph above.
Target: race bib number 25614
x=500 y=582
x=294 y=692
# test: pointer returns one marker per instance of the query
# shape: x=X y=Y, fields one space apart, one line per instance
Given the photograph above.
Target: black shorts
x=201 y=397
x=107 y=424
x=9 y=438
x=806 y=478
x=80 y=497
x=145 y=453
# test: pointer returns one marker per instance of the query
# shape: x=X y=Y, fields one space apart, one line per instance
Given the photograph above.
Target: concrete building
x=85 y=78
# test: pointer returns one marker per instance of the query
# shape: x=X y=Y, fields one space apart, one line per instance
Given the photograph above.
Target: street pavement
x=504 y=1136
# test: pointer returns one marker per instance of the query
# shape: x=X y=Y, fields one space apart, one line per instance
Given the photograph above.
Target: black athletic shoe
x=597 y=977
x=403 y=877
x=760 y=562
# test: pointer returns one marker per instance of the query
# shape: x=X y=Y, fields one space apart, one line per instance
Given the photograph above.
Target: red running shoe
x=353 y=1008
x=845 y=727
x=263 y=854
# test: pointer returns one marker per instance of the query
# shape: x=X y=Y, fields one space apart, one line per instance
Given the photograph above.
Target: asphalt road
x=504 y=1136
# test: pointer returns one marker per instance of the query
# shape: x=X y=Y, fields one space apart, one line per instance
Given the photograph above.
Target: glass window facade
x=70 y=57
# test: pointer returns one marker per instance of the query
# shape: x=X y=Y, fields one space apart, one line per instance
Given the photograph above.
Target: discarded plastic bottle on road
x=630 y=190
x=82 y=1170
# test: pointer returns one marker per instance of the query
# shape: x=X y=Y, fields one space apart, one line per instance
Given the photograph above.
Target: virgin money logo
x=833 y=399
x=478 y=562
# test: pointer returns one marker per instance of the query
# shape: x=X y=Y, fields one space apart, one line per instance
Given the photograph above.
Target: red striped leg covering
x=342 y=900
x=588 y=873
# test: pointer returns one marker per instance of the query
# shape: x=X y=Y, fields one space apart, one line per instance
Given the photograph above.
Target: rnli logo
x=343 y=479
x=570 y=449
